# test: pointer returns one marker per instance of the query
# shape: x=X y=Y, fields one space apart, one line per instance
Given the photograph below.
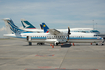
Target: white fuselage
x=48 y=38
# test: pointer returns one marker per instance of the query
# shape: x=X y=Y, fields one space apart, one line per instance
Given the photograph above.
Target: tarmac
x=18 y=55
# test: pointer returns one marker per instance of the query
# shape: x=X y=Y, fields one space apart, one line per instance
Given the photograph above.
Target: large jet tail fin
x=11 y=27
x=27 y=24
x=41 y=26
x=45 y=27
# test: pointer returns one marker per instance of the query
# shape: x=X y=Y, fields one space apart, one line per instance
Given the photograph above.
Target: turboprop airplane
x=15 y=32
x=53 y=37
x=77 y=37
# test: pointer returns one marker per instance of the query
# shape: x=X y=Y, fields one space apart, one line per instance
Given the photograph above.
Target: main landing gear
x=98 y=44
x=30 y=43
x=56 y=44
x=101 y=44
x=40 y=43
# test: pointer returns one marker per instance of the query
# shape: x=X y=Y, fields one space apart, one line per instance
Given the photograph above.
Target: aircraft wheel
x=96 y=44
x=30 y=43
x=40 y=43
x=37 y=43
x=56 y=44
x=102 y=44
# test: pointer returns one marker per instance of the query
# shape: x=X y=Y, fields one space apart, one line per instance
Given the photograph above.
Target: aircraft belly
x=85 y=41
x=43 y=41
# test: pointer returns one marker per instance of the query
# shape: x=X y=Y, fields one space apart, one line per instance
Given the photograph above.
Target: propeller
x=68 y=33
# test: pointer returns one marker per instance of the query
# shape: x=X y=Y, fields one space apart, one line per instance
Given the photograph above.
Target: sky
x=55 y=13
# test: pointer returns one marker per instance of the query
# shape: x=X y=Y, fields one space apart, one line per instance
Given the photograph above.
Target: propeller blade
x=68 y=32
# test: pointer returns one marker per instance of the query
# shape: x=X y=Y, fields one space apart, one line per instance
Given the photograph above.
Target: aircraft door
x=28 y=38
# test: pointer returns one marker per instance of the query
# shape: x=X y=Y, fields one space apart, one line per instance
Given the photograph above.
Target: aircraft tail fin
x=27 y=24
x=45 y=27
x=41 y=26
x=11 y=27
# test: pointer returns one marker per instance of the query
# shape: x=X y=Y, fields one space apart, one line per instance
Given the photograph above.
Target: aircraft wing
x=54 y=31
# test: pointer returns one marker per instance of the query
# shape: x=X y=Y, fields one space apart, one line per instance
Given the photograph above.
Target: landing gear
x=40 y=43
x=56 y=44
x=102 y=44
x=29 y=39
x=30 y=43
x=96 y=43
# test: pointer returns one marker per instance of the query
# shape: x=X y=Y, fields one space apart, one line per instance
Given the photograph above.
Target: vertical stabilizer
x=45 y=27
x=27 y=24
x=41 y=26
x=6 y=20
x=11 y=27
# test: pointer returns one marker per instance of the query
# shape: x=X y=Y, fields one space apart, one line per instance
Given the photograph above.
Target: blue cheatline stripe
x=92 y=38
x=38 y=38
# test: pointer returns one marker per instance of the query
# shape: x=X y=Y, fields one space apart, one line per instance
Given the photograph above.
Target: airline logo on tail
x=45 y=27
x=11 y=26
x=26 y=25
